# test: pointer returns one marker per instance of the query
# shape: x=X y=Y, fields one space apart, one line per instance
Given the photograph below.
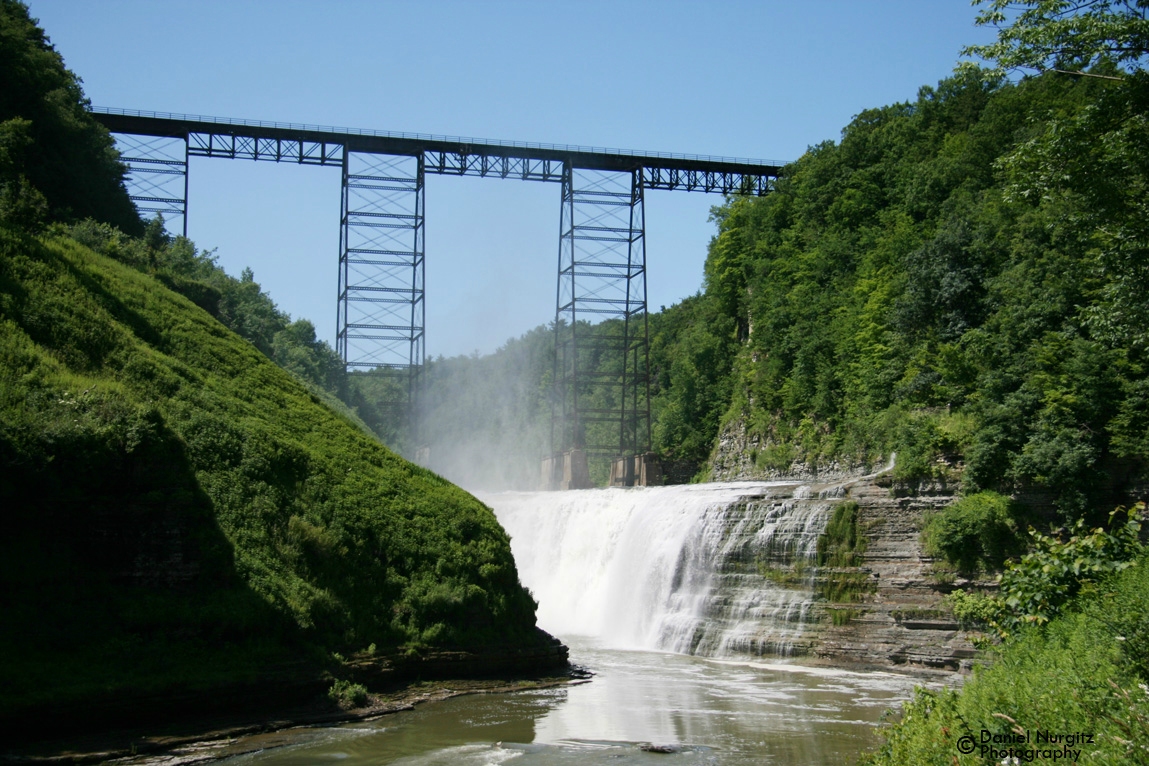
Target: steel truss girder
x=498 y=166
x=551 y=170
x=723 y=182
x=600 y=307
x=157 y=177
x=381 y=298
x=297 y=150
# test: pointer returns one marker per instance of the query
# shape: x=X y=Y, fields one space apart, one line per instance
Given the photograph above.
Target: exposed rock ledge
x=735 y=460
x=892 y=612
x=904 y=622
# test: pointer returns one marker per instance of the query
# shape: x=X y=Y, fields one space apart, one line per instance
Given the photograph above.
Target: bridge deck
x=314 y=144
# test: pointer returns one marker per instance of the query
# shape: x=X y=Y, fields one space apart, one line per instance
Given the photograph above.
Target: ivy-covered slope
x=178 y=509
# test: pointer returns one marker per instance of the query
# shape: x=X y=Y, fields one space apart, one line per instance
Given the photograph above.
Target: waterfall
x=711 y=569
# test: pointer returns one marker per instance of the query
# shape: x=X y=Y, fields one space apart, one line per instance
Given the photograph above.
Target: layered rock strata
x=892 y=614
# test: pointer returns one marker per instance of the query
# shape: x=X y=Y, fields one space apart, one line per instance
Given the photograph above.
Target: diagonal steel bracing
x=157 y=177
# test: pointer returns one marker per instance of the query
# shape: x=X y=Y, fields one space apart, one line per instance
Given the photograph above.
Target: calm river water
x=712 y=711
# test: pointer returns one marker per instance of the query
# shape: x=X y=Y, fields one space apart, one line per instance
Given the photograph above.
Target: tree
x=1064 y=35
x=54 y=153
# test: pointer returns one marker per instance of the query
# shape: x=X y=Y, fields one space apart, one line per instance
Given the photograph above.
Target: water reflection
x=711 y=712
x=750 y=712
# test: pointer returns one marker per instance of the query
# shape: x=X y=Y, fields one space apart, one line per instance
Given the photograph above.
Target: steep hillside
x=955 y=281
x=179 y=511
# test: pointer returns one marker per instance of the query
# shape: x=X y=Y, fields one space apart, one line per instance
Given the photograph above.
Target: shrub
x=1083 y=671
x=1034 y=589
x=979 y=531
x=347 y=695
x=973 y=609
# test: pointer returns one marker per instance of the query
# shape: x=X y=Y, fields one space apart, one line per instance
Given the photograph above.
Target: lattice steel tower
x=381 y=305
x=600 y=316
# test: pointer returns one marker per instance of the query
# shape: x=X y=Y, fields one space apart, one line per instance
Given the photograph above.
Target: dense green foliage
x=1035 y=587
x=927 y=286
x=242 y=306
x=1064 y=35
x=693 y=350
x=977 y=532
x=1085 y=671
x=168 y=491
x=1073 y=241
x=56 y=162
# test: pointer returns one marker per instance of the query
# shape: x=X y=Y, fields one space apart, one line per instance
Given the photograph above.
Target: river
x=722 y=712
x=640 y=585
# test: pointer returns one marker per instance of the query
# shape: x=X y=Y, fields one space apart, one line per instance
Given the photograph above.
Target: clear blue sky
x=747 y=79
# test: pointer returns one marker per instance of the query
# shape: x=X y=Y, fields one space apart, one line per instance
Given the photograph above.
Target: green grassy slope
x=178 y=510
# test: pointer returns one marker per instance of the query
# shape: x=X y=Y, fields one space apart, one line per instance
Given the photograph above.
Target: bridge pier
x=381 y=307
x=565 y=470
x=602 y=398
x=643 y=470
x=157 y=177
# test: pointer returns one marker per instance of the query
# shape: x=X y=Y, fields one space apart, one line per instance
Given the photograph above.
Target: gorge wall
x=903 y=620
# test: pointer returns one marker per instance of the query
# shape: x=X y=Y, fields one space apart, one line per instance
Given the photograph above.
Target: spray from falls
x=710 y=569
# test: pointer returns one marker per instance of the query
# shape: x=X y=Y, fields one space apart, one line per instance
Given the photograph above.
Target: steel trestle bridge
x=381 y=292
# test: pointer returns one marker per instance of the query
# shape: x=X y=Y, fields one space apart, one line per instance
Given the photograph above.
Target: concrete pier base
x=647 y=470
x=565 y=470
x=637 y=471
x=622 y=472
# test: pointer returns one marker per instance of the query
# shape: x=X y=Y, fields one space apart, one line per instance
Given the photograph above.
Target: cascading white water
x=678 y=568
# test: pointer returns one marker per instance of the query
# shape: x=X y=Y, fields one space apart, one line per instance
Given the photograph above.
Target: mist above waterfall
x=485 y=420
x=675 y=568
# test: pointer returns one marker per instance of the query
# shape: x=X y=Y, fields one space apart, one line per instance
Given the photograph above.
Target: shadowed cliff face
x=112 y=485
x=100 y=493
x=114 y=569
